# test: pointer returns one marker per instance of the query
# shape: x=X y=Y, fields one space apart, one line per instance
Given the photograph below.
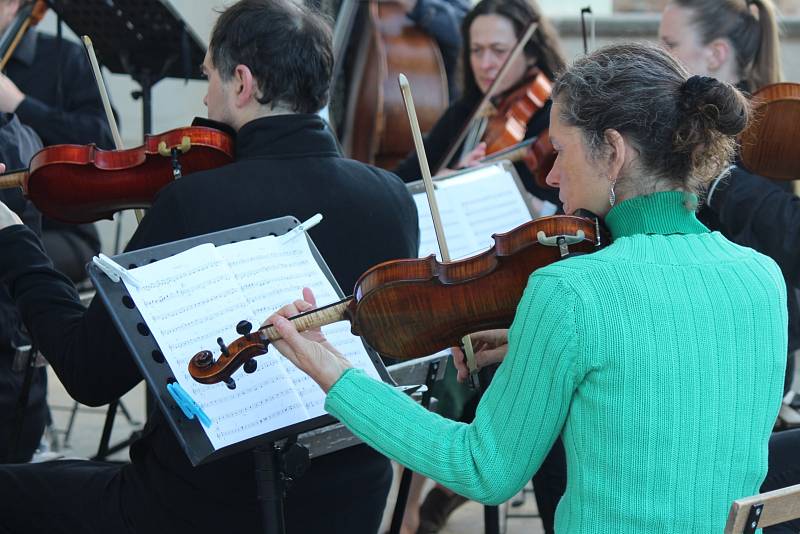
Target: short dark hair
x=682 y=126
x=543 y=46
x=286 y=46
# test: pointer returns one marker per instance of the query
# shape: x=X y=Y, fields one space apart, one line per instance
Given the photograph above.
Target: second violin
x=82 y=183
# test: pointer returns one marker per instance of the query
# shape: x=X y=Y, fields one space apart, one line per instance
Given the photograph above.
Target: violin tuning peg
x=230 y=382
x=222 y=347
x=250 y=366
x=243 y=328
x=203 y=359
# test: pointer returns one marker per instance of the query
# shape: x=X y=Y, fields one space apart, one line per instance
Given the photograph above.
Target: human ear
x=244 y=85
x=618 y=151
x=718 y=52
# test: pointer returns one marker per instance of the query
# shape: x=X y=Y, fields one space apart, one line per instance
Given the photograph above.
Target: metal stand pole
x=269 y=487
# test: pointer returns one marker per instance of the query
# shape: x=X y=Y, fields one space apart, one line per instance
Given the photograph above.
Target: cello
x=374 y=129
x=28 y=15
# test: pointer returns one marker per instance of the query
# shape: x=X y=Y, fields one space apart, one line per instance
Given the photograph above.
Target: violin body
x=375 y=128
x=769 y=144
x=82 y=183
x=406 y=309
x=507 y=127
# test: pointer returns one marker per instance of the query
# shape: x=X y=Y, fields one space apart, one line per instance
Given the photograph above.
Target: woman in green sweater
x=659 y=359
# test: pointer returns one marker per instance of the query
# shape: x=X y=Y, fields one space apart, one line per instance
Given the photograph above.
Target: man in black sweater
x=268 y=66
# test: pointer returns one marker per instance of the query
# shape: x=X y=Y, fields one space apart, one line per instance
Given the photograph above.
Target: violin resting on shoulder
x=411 y=308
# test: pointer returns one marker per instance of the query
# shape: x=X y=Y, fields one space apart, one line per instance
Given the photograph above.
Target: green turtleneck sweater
x=659 y=360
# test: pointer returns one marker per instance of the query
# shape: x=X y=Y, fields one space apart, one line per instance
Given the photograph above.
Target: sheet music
x=291 y=267
x=187 y=301
x=190 y=299
x=473 y=206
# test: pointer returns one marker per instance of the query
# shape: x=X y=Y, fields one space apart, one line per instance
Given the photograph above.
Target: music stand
x=275 y=465
x=145 y=39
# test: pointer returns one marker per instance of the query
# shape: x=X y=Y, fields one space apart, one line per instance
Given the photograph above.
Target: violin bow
x=587 y=11
x=112 y=123
x=520 y=46
x=408 y=100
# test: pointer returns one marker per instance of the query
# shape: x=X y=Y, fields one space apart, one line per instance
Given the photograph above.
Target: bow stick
x=112 y=123
x=408 y=100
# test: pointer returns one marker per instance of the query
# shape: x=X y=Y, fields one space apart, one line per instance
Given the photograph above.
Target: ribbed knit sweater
x=659 y=360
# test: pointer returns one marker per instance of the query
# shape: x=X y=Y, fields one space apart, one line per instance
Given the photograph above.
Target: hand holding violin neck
x=312 y=319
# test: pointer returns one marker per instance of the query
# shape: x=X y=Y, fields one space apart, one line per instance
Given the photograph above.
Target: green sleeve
x=516 y=423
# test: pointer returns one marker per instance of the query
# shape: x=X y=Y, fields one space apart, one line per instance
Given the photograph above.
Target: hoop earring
x=612 y=196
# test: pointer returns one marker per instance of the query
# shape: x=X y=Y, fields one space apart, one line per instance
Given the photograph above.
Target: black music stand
x=145 y=39
x=276 y=465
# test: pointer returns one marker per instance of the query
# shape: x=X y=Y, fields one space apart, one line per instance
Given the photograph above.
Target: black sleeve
x=81 y=119
x=756 y=213
x=82 y=346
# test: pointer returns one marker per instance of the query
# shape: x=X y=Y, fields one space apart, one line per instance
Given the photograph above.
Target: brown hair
x=754 y=36
x=543 y=46
x=681 y=126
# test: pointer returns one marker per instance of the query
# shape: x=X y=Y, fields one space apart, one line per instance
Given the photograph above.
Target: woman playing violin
x=612 y=350
x=490 y=31
x=737 y=41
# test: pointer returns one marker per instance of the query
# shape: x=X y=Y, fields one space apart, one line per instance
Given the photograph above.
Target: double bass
x=374 y=127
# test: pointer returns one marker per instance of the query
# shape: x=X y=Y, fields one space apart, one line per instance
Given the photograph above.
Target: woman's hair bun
x=709 y=104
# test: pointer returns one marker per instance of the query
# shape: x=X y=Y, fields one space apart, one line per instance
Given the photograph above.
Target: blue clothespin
x=187 y=404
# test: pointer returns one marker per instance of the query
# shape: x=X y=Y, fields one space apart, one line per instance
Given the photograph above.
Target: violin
x=406 y=309
x=537 y=153
x=82 y=183
x=769 y=143
x=506 y=129
x=28 y=15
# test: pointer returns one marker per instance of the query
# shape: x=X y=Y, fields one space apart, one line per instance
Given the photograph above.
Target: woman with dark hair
x=490 y=31
x=612 y=351
x=737 y=42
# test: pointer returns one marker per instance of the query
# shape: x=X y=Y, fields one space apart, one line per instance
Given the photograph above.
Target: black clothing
x=18 y=143
x=784 y=471
x=285 y=165
x=62 y=108
x=438 y=140
x=62 y=104
x=441 y=19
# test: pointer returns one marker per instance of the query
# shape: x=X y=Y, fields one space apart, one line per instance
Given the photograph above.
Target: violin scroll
x=209 y=370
